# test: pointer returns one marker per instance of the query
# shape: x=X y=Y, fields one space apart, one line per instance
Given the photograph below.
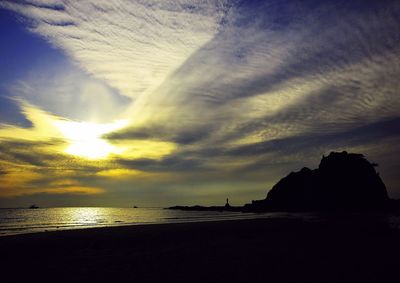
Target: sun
x=85 y=138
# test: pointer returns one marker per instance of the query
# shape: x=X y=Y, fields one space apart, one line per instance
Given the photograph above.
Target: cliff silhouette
x=342 y=181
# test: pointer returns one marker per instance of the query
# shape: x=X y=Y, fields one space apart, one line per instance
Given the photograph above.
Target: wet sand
x=259 y=250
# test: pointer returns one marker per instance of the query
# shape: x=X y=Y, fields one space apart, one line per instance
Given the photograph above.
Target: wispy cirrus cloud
x=133 y=46
x=280 y=70
x=233 y=86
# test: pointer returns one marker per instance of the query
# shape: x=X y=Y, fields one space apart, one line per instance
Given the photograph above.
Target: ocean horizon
x=24 y=220
x=15 y=221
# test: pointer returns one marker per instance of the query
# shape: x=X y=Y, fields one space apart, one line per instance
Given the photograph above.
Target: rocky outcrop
x=342 y=181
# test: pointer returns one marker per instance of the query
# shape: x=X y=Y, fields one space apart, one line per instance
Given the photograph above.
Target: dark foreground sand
x=262 y=250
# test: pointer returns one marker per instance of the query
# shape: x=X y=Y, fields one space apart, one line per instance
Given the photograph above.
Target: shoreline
x=244 y=216
x=257 y=216
x=122 y=225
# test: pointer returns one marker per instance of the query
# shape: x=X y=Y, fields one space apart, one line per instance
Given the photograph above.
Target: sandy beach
x=260 y=250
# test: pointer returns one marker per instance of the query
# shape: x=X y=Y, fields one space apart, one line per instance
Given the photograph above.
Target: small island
x=226 y=207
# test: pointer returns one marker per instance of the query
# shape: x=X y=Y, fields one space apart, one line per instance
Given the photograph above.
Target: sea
x=21 y=220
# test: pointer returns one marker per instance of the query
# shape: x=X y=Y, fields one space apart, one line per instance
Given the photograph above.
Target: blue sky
x=183 y=102
x=21 y=51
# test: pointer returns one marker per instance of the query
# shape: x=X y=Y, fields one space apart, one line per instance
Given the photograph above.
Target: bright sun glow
x=86 y=138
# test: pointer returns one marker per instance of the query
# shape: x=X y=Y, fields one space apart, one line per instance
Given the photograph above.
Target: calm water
x=19 y=221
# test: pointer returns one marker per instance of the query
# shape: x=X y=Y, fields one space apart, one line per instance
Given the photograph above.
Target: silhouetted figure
x=342 y=181
x=227 y=203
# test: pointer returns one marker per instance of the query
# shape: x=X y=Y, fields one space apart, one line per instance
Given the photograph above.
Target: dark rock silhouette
x=207 y=208
x=342 y=181
x=226 y=207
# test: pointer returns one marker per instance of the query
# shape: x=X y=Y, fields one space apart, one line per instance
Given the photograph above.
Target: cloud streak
x=225 y=86
x=124 y=34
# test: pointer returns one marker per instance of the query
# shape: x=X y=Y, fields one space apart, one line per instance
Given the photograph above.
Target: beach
x=258 y=250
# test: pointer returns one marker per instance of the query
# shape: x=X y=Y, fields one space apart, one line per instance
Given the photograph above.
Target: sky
x=167 y=102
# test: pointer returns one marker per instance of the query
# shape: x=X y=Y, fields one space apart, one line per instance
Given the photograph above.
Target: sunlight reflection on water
x=19 y=221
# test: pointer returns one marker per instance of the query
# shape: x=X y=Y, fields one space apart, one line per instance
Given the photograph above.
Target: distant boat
x=135 y=206
x=33 y=206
